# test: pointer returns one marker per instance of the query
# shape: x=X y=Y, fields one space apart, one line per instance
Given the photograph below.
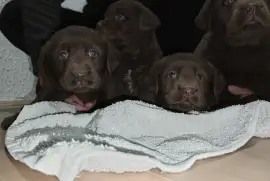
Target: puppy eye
x=63 y=55
x=120 y=17
x=92 y=53
x=172 y=75
x=200 y=76
x=229 y=2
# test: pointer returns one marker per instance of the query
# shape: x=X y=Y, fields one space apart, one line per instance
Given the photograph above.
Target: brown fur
x=131 y=27
x=182 y=82
x=60 y=76
x=238 y=42
x=75 y=61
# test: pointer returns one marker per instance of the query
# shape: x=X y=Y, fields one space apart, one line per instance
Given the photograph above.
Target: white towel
x=129 y=136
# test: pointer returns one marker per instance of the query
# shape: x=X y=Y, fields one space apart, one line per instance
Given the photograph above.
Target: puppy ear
x=148 y=20
x=219 y=82
x=149 y=86
x=203 y=19
x=113 y=58
x=150 y=82
x=43 y=62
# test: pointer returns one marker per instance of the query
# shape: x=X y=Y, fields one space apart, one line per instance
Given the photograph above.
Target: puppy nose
x=189 y=91
x=100 y=23
x=79 y=75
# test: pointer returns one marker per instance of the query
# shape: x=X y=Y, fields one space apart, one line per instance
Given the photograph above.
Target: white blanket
x=129 y=136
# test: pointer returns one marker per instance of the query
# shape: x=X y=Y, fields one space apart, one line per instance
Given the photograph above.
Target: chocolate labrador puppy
x=131 y=27
x=182 y=82
x=238 y=41
x=75 y=61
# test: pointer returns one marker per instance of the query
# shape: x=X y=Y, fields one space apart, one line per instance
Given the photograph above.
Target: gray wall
x=16 y=78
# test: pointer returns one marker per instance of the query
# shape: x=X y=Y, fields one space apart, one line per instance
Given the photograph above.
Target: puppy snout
x=80 y=78
x=81 y=70
x=190 y=91
x=81 y=74
x=83 y=82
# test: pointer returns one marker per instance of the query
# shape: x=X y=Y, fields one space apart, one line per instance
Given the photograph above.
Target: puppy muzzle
x=78 y=82
x=253 y=13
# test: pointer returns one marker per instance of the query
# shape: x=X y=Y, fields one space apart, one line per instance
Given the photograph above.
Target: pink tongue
x=90 y=104
x=86 y=107
x=79 y=104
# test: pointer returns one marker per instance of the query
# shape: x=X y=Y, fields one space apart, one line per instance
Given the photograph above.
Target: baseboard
x=15 y=103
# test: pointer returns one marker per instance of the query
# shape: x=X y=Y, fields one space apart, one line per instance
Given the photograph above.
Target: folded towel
x=129 y=136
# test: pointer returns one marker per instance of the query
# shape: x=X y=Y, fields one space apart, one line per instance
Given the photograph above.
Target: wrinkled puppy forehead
x=80 y=43
x=78 y=35
x=243 y=2
x=181 y=60
x=126 y=7
x=216 y=4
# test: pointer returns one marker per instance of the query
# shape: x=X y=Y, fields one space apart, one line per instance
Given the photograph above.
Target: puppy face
x=183 y=83
x=240 y=22
x=126 y=20
x=77 y=58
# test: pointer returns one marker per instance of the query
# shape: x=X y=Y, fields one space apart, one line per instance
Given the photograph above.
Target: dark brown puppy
x=238 y=41
x=75 y=61
x=182 y=82
x=131 y=27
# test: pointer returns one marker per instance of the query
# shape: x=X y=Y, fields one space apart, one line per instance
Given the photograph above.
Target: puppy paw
x=7 y=122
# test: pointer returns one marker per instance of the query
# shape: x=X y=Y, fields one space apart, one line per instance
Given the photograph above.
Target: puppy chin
x=88 y=97
x=246 y=36
x=68 y=87
x=185 y=107
x=191 y=105
x=239 y=41
x=182 y=105
x=80 y=90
